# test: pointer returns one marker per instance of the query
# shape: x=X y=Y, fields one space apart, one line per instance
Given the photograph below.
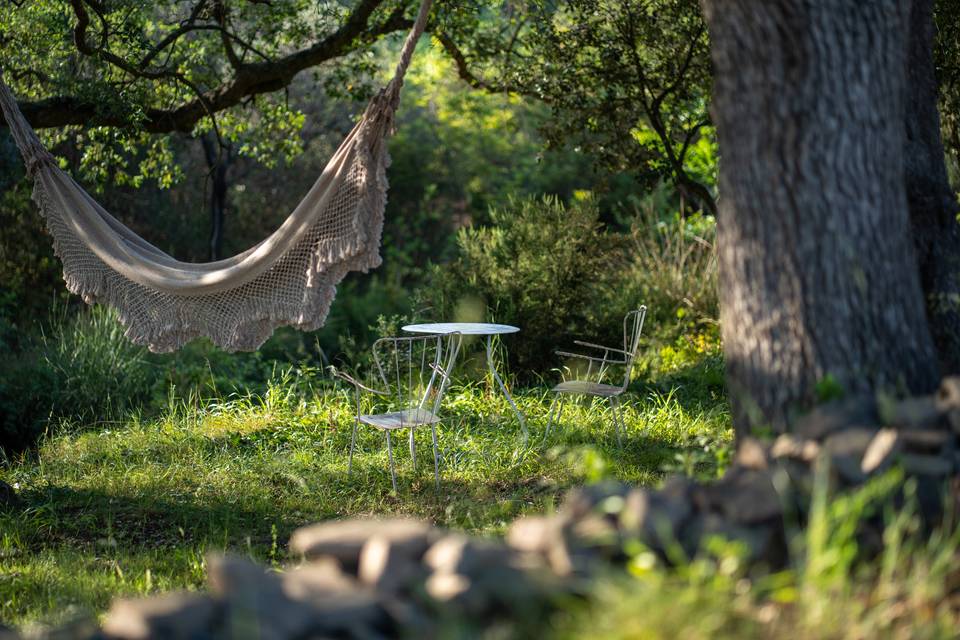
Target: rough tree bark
x=818 y=272
x=933 y=205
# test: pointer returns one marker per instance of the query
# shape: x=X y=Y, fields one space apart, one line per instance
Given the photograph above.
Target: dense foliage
x=627 y=83
x=558 y=273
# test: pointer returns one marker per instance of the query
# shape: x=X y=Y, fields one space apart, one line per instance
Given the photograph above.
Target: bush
x=550 y=269
x=558 y=274
x=27 y=390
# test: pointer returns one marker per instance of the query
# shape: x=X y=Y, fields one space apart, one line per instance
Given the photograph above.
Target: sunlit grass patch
x=241 y=472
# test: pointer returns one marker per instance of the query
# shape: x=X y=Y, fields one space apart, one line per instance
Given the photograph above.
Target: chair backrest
x=632 y=328
x=416 y=370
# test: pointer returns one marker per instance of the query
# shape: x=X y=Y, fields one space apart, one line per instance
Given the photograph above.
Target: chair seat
x=400 y=419
x=588 y=388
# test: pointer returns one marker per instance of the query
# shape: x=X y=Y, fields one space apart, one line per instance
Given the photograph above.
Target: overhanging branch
x=249 y=79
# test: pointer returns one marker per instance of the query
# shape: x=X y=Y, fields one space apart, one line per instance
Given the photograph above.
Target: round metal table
x=477 y=329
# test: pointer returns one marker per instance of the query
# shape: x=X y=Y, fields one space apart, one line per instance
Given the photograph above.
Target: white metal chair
x=625 y=357
x=414 y=373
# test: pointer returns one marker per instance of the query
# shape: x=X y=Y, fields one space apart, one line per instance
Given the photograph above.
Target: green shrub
x=550 y=269
x=27 y=390
x=558 y=274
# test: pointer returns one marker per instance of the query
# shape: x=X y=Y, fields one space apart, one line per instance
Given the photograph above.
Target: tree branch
x=684 y=67
x=249 y=79
x=463 y=69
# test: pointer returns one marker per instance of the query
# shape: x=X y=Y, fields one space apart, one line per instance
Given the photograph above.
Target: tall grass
x=99 y=372
x=80 y=368
x=673 y=266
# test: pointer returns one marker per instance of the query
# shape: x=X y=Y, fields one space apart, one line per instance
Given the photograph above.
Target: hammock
x=288 y=279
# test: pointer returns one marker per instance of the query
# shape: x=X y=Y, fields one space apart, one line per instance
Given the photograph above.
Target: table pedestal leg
x=503 y=388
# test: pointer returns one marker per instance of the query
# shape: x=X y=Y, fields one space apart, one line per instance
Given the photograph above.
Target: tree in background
x=117 y=79
x=628 y=83
x=455 y=154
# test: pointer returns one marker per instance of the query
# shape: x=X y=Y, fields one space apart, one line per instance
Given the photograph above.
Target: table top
x=466 y=328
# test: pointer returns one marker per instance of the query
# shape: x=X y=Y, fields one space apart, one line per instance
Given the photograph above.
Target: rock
x=229 y=574
x=477 y=577
x=545 y=538
x=948 y=395
x=447 y=586
x=656 y=517
x=790 y=446
x=759 y=541
x=836 y=416
x=920 y=412
x=596 y=531
x=317 y=580
x=582 y=500
x=931 y=498
x=276 y=608
x=412 y=620
x=880 y=451
x=953 y=419
x=173 y=615
x=343 y=540
x=927 y=440
x=751 y=454
x=491 y=592
x=793 y=479
x=456 y=553
x=337 y=600
x=846 y=450
x=926 y=465
x=743 y=496
x=534 y=534
x=387 y=566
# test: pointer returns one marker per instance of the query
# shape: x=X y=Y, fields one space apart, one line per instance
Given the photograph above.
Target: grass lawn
x=132 y=506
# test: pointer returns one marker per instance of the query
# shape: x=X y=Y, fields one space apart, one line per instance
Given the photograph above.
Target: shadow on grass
x=92 y=519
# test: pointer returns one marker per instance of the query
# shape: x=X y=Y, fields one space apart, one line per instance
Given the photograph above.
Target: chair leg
x=560 y=405
x=436 y=457
x=413 y=450
x=553 y=406
x=353 y=443
x=393 y=471
x=617 y=420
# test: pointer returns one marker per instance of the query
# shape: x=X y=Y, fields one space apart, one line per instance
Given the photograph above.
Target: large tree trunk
x=819 y=278
x=933 y=206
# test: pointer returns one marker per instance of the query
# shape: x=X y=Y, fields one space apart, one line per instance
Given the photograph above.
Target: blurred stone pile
x=404 y=578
